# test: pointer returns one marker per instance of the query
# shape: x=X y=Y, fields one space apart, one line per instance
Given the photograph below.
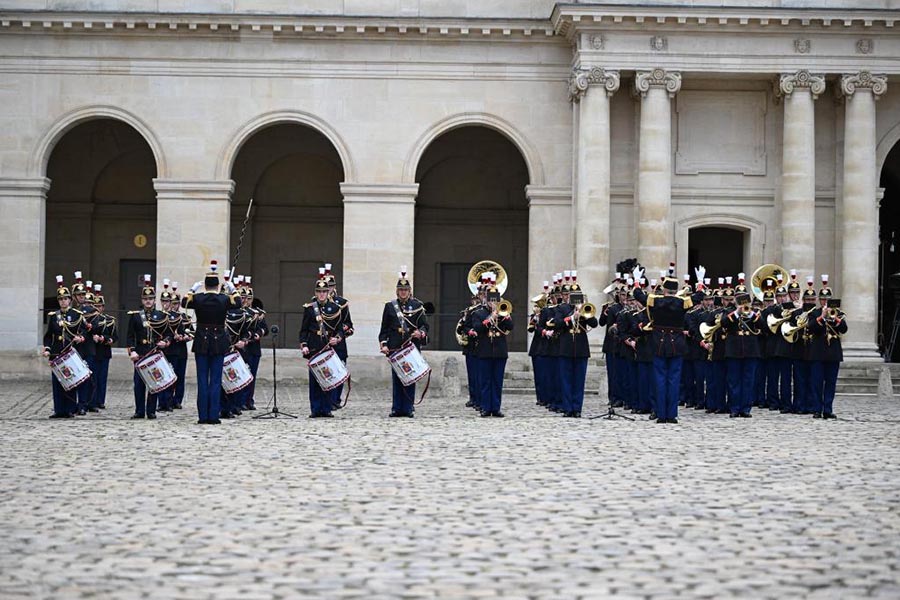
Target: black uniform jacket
x=257 y=327
x=573 y=340
x=179 y=324
x=145 y=329
x=464 y=326
x=107 y=328
x=62 y=326
x=547 y=323
x=692 y=320
x=720 y=337
x=321 y=321
x=825 y=340
x=397 y=330
x=491 y=335
x=667 y=314
x=88 y=347
x=643 y=340
x=743 y=334
x=538 y=345
x=210 y=308
x=608 y=318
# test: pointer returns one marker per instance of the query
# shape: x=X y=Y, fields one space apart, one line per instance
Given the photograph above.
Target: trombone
x=789 y=332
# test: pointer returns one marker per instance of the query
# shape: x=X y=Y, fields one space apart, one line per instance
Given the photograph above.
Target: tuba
x=767 y=271
x=482 y=266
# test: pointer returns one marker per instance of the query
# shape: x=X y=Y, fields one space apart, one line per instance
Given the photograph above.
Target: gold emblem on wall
x=140 y=240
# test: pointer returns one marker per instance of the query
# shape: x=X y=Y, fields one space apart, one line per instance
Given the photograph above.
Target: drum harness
x=320 y=319
x=404 y=329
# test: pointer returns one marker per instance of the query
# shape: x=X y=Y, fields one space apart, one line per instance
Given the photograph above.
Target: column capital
x=190 y=189
x=33 y=186
x=863 y=80
x=788 y=82
x=581 y=79
x=657 y=78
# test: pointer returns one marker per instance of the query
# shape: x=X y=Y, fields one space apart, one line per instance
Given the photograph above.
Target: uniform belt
x=209 y=326
x=667 y=328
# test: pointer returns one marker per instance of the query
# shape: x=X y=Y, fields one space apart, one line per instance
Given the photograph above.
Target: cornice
x=567 y=19
x=280 y=26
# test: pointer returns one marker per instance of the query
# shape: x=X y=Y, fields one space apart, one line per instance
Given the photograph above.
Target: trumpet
x=588 y=310
x=504 y=308
x=834 y=313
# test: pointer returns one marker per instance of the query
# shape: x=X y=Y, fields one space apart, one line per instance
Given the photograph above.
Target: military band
x=763 y=343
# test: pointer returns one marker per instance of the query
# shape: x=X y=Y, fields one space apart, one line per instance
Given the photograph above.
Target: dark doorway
x=131 y=278
x=889 y=253
x=719 y=249
x=454 y=296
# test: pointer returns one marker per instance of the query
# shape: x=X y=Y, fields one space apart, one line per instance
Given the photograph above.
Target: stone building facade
x=377 y=133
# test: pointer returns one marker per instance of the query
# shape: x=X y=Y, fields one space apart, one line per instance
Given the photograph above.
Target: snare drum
x=409 y=364
x=157 y=373
x=329 y=370
x=236 y=374
x=70 y=369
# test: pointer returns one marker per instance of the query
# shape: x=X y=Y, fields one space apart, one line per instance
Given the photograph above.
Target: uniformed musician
x=402 y=321
x=166 y=399
x=492 y=328
x=346 y=329
x=608 y=315
x=320 y=329
x=87 y=348
x=469 y=344
x=258 y=328
x=106 y=335
x=638 y=337
x=182 y=334
x=827 y=325
x=695 y=396
x=237 y=324
x=803 y=401
x=667 y=313
x=148 y=329
x=65 y=327
x=211 y=342
x=573 y=322
x=741 y=354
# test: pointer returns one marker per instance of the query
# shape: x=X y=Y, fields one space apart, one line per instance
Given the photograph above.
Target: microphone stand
x=274 y=413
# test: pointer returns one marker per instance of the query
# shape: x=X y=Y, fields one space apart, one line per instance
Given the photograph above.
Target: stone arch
x=41 y=154
x=240 y=137
x=532 y=158
x=754 y=243
x=884 y=147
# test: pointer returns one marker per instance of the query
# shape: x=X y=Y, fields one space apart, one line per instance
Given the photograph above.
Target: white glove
x=228 y=287
x=637 y=273
x=196 y=287
x=700 y=272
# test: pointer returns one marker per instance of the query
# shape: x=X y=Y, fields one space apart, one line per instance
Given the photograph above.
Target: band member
x=65 y=327
x=779 y=391
x=402 y=321
x=626 y=368
x=210 y=340
x=608 y=315
x=491 y=325
x=345 y=327
x=742 y=354
x=547 y=327
x=184 y=332
x=800 y=356
x=469 y=345
x=148 y=329
x=667 y=313
x=764 y=368
x=237 y=326
x=252 y=351
x=696 y=355
x=573 y=321
x=87 y=348
x=166 y=399
x=638 y=337
x=319 y=329
x=826 y=326
x=106 y=335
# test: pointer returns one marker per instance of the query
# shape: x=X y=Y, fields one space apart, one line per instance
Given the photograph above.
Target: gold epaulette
x=651 y=299
x=52 y=312
x=346 y=302
x=133 y=312
x=307 y=305
x=77 y=312
x=688 y=303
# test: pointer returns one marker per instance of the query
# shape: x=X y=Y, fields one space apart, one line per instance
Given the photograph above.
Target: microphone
x=274 y=329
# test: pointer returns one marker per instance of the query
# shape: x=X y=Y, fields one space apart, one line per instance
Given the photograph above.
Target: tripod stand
x=274 y=413
x=610 y=414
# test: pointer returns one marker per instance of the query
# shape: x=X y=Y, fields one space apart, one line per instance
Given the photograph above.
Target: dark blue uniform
x=463 y=327
x=258 y=328
x=643 y=360
x=62 y=327
x=176 y=354
x=211 y=344
x=345 y=327
x=492 y=355
x=108 y=330
x=146 y=328
x=608 y=316
x=573 y=356
x=716 y=367
x=777 y=361
x=667 y=313
x=398 y=322
x=825 y=355
x=88 y=351
x=742 y=355
x=321 y=321
x=546 y=328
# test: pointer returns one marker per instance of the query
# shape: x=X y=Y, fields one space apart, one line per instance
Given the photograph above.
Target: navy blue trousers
x=179 y=364
x=627 y=370
x=823 y=383
x=667 y=377
x=85 y=391
x=715 y=398
x=801 y=385
x=101 y=377
x=701 y=375
x=610 y=379
x=63 y=402
x=551 y=382
x=472 y=378
x=319 y=400
x=687 y=383
x=538 y=382
x=741 y=383
x=402 y=398
x=490 y=375
x=335 y=393
x=209 y=385
x=646 y=396
x=144 y=403
x=574 y=372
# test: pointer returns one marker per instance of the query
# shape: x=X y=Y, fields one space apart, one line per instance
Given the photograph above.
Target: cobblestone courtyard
x=446 y=505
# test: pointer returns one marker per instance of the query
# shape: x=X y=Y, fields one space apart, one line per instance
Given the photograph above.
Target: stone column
x=592 y=172
x=379 y=236
x=193 y=223
x=656 y=246
x=798 y=172
x=549 y=225
x=859 y=226
x=22 y=235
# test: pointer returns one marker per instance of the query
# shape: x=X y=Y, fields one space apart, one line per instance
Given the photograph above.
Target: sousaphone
x=767 y=271
x=483 y=266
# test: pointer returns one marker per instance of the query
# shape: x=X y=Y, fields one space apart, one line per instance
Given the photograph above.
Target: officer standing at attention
x=252 y=352
x=491 y=327
x=211 y=340
x=106 y=335
x=345 y=326
x=742 y=354
x=573 y=326
x=64 y=328
x=183 y=333
x=320 y=328
x=86 y=348
x=148 y=329
x=667 y=313
x=402 y=320
x=826 y=326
